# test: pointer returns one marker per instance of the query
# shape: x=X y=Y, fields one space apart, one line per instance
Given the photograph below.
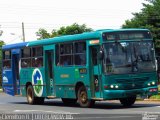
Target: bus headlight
x=116 y=86
x=149 y=84
x=153 y=83
x=112 y=86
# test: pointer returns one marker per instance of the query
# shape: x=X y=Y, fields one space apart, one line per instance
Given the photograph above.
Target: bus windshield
x=129 y=57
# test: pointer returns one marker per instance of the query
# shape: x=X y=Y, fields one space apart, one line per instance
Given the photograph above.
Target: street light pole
x=23 y=34
x=1 y=31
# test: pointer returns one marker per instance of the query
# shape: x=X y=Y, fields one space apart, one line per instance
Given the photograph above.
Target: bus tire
x=30 y=95
x=69 y=101
x=83 y=98
x=127 y=102
x=31 y=98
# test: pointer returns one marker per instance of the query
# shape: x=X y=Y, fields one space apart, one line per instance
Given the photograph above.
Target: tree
x=73 y=29
x=68 y=30
x=42 y=33
x=149 y=18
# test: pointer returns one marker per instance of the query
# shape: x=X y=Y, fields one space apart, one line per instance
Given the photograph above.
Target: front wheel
x=127 y=102
x=30 y=95
x=31 y=98
x=83 y=98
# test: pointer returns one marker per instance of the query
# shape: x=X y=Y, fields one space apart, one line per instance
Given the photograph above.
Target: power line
x=11 y=41
x=15 y=8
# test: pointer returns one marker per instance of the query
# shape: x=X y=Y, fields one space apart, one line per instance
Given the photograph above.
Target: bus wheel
x=30 y=95
x=69 y=101
x=31 y=98
x=127 y=102
x=83 y=98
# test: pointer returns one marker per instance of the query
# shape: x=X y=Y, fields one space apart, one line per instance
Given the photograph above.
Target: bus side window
x=26 y=57
x=80 y=53
x=6 y=64
x=66 y=60
x=66 y=54
x=6 y=59
x=37 y=57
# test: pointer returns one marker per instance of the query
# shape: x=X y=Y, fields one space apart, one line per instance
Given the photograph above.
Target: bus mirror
x=101 y=54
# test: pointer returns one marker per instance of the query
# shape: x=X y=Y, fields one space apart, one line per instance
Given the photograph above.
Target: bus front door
x=49 y=70
x=15 y=70
x=95 y=73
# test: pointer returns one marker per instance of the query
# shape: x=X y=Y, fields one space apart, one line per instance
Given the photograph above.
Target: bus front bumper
x=116 y=94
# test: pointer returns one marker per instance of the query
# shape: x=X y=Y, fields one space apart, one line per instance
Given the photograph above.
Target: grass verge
x=0 y=88
x=156 y=97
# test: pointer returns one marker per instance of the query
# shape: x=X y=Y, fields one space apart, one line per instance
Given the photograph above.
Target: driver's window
x=118 y=54
x=145 y=53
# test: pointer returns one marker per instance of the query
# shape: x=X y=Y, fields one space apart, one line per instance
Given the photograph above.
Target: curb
x=150 y=100
x=155 y=100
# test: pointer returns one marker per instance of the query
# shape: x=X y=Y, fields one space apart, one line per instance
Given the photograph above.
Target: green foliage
x=156 y=97
x=1 y=44
x=73 y=29
x=149 y=18
x=68 y=30
x=43 y=33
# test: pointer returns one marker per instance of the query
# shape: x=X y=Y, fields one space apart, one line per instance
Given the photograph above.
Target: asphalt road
x=55 y=109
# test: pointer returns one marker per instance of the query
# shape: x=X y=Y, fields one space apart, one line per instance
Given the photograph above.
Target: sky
x=53 y=14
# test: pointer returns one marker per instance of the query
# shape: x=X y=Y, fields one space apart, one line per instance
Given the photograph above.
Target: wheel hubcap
x=83 y=97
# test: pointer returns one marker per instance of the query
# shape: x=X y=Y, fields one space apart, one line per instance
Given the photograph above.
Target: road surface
x=106 y=110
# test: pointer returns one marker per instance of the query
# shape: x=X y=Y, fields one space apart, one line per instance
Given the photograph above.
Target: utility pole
x=1 y=31
x=23 y=34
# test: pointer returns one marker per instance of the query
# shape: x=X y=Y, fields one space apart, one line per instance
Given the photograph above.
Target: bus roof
x=125 y=29
x=83 y=36
x=13 y=46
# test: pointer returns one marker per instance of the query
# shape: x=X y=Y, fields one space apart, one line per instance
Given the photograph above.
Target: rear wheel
x=127 y=102
x=83 y=98
x=31 y=98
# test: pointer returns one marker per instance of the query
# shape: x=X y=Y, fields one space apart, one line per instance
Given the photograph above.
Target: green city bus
x=110 y=64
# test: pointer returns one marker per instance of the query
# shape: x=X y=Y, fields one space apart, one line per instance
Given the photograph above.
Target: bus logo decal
x=37 y=81
x=5 y=79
